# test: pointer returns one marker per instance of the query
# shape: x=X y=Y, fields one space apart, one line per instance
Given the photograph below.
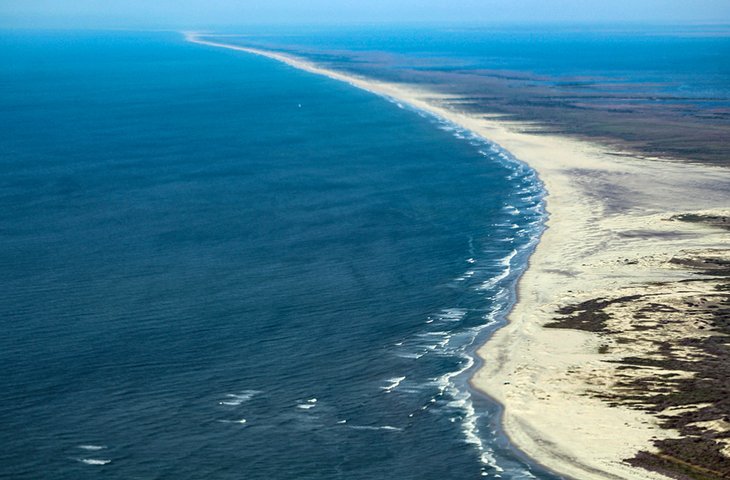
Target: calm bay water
x=676 y=64
x=217 y=266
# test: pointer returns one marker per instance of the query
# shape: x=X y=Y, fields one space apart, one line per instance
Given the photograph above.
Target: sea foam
x=94 y=461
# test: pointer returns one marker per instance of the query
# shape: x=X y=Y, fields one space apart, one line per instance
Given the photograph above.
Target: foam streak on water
x=94 y=461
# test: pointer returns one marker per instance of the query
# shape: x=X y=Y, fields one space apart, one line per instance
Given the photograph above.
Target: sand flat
x=608 y=235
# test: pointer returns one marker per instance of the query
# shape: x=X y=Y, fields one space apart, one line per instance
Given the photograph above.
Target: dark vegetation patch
x=648 y=234
x=720 y=221
x=590 y=316
x=654 y=387
x=705 y=265
x=700 y=452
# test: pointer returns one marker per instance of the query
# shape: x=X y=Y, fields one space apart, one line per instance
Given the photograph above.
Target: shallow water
x=217 y=266
x=668 y=63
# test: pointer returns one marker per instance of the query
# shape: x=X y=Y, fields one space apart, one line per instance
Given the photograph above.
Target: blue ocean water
x=217 y=266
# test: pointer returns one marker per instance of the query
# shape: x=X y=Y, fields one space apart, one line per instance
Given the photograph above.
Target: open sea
x=215 y=266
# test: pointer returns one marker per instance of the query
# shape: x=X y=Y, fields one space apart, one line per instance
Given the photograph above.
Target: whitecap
x=452 y=314
x=410 y=355
x=383 y=427
x=429 y=346
x=506 y=263
x=92 y=447
x=511 y=209
x=240 y=422
x=311 y=403
x=94 y=461
x=440 y=333
x=392 y=384
x=235 y=399
x=468 y=274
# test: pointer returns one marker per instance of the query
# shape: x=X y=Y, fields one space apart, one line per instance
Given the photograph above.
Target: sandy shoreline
x=608 y=236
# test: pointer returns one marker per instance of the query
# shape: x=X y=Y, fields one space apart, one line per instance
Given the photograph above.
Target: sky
x=206 y=13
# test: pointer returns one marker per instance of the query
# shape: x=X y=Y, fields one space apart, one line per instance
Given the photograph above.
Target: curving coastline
x=607 y=237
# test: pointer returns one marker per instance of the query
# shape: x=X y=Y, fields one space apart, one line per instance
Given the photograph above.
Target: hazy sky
x=192 y=13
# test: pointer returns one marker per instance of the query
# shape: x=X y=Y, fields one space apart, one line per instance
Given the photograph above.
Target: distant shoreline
x=609 y=241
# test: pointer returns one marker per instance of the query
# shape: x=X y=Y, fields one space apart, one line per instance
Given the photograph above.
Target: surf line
x=419 y=101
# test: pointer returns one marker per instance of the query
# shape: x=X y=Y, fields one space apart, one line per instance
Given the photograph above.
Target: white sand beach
x=608 y=234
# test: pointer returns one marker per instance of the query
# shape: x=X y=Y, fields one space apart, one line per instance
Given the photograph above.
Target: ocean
x=217 y=266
